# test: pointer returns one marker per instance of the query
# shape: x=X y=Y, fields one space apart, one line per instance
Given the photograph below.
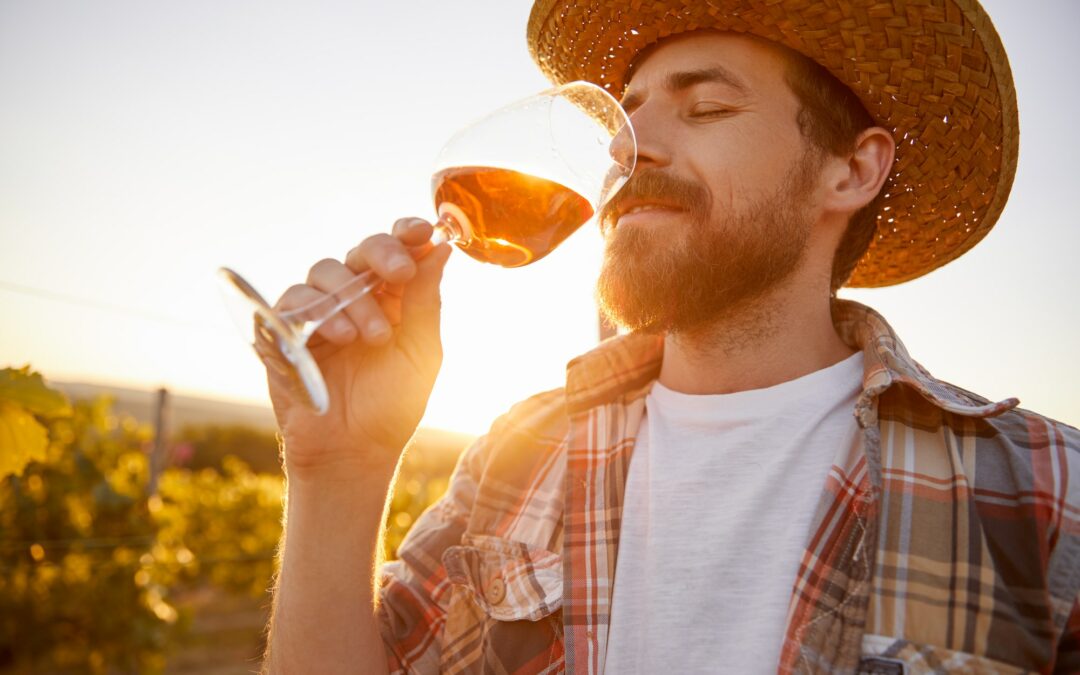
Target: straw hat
x=932 y=71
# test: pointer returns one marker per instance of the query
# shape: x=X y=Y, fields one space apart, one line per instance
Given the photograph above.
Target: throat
x=769 y=341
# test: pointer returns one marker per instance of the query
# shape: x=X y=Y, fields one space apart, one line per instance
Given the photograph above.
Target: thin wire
x=104 y=306
x=100 y=542
x=112 y=543
x=158 y=563
x=71 y=542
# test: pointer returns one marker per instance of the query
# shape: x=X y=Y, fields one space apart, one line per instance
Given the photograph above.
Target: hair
x=831 y=117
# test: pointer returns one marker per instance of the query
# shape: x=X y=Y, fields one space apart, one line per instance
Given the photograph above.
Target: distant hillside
x=183 y=410
x=192 y=411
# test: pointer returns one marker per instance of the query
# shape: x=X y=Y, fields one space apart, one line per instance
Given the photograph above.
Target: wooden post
x=161 y=439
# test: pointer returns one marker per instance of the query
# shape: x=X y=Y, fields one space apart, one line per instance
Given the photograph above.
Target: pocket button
x=496 y=590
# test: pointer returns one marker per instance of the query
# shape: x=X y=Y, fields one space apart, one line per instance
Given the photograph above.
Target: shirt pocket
x=502 y=614
x=884 y=655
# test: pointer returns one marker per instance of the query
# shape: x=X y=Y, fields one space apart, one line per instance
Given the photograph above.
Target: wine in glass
x=508 y=189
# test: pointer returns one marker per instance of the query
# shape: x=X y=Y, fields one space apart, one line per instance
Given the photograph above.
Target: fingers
x=421 y=304
x=339 y=329
x=413 y=231
x=406 y=271
x=363 y=316
x=387 y=256
x=411 y=237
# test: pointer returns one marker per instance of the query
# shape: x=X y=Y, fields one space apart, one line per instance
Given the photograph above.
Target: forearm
x=323 y=618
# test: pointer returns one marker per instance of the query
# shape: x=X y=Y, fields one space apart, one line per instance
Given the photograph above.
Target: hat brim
x=933 y=72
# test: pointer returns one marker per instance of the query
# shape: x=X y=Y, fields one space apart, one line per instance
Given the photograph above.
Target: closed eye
x=710 y=112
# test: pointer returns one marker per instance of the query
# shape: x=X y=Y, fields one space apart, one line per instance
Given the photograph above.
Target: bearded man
x=756 y=477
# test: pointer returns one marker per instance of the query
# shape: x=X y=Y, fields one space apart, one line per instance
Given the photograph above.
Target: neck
x=763 y=342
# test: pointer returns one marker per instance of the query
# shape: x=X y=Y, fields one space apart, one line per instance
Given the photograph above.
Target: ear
x=854 y=180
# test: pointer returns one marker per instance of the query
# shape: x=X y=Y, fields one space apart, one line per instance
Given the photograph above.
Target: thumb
x=421 y=303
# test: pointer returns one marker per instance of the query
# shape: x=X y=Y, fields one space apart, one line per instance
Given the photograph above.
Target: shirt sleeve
x=414 y=589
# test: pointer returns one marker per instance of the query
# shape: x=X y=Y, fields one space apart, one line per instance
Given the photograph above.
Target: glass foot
x=281 y=345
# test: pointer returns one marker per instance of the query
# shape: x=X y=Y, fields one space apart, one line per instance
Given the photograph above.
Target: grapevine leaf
x=28 y=389
x=22 y=439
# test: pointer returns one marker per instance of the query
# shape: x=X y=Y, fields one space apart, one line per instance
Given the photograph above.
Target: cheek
x=751 y=174
x=740 y=161
x=724 y=194
x=735 y=166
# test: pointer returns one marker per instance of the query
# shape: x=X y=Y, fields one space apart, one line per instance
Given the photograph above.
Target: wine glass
x=508 y=189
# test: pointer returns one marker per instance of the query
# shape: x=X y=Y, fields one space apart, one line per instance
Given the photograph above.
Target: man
x=757 y=477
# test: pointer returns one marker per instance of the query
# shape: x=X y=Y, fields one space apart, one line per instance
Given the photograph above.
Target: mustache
x=658 y=186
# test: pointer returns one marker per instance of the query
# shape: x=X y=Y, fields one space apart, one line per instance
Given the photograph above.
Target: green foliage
x=23 y=398
x=22 y=439
x=89 y=561
x=26 y=388
x=223 y=526
x=423 y=478
x=91 y=565
x=79 y=586
x=207 y=446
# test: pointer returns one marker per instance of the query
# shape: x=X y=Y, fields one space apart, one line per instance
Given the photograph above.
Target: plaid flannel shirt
x=948 y=542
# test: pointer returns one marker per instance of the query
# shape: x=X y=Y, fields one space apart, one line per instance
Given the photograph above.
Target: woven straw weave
x=933 y=72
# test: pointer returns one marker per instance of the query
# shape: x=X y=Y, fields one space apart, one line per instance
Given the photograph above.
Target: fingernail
x=398 y=262
x=341 y=325
x=377 y=328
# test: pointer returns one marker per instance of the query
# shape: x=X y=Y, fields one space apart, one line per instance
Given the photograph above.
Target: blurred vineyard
x=112 y=564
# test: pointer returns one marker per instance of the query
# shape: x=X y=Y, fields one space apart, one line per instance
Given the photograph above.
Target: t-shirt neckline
x=843 y=376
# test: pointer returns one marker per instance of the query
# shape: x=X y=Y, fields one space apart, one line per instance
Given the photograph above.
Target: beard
x=653 y=282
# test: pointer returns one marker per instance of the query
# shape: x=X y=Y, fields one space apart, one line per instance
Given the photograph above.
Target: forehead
x=752 y=62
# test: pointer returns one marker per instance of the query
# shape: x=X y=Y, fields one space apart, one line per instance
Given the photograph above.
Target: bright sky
x=143 y=144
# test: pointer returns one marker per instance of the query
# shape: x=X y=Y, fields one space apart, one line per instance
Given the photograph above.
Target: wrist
x=329 y=468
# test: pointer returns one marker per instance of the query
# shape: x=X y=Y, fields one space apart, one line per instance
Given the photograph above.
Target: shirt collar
x=626 y=364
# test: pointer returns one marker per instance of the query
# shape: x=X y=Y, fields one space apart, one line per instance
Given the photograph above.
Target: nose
x=652 y=148
x=623 y=148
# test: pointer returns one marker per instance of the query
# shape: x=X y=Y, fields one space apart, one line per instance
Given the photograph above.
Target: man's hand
x=379 y=356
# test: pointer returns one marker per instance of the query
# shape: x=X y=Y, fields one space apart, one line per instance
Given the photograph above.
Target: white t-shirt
x=719 y=500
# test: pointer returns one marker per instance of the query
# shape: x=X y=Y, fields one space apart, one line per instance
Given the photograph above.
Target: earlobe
x=860 y=178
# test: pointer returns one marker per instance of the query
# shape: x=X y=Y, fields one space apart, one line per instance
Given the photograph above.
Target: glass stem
x=307 y=319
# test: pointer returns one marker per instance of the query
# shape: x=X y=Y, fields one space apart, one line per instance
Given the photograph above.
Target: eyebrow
x=683 y=80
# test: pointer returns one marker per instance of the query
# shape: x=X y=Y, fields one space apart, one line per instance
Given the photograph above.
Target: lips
x=652 y=196
x=642 y=208
x=638 y=210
